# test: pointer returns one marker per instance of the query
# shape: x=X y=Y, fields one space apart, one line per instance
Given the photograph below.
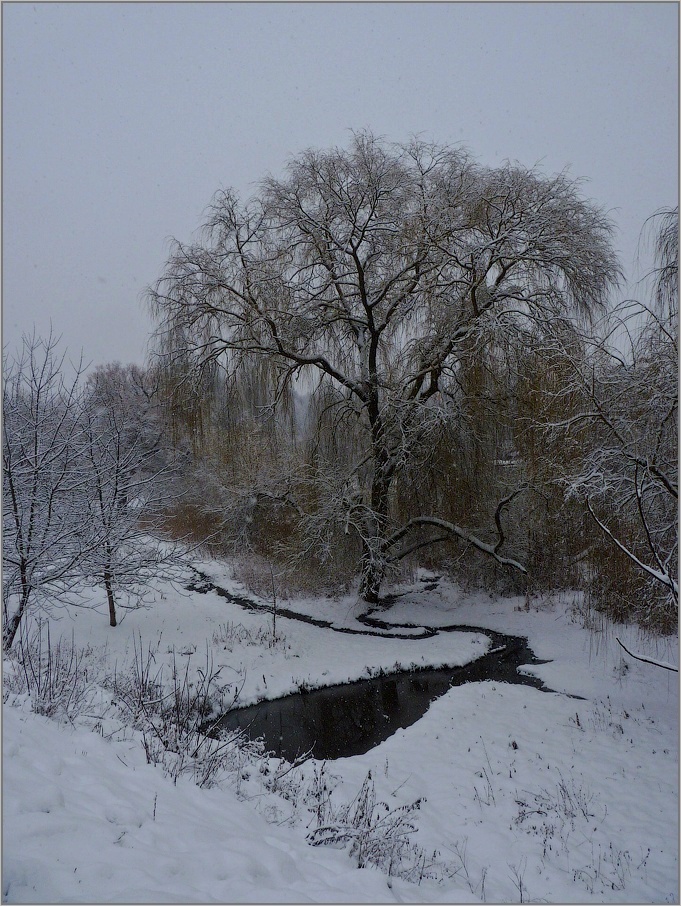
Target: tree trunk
x=373 y=548
x=372 y=576
x=110 y=598
x=12 y=626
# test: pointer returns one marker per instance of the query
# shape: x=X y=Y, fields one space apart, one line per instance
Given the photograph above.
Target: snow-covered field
x=526 y=796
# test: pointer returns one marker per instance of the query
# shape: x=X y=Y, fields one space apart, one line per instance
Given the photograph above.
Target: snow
x=79 y=826
x=528 y=795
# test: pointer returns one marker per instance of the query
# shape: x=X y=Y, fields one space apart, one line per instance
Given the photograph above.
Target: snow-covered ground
x=526 y=796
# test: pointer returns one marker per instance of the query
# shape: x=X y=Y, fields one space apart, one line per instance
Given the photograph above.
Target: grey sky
x=120 y=121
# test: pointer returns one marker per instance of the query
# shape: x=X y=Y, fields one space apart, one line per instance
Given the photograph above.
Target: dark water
x=350 y=719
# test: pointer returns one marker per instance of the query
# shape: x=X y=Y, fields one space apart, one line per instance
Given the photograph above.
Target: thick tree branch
x=454 y=531
x=647 y=660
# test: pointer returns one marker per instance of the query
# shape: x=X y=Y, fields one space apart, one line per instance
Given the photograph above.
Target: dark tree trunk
x=373 y=552
x=372 y=577
x=10 y=630
x=110 y=597
x=12 y=625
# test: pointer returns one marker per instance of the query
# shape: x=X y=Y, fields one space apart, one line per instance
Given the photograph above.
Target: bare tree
x=636 y=403
x=664 y=226
x=371 y=274
x=44 y=536
x=617 y=425
x=83 y=482
x=126 y=479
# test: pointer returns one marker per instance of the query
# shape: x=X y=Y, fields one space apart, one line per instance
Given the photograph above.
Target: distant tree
x=373 y=275
x=126 y=479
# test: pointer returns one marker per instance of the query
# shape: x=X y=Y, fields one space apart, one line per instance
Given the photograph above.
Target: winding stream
x=350 y=719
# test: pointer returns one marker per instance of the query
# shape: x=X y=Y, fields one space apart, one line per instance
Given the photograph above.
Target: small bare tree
x=44 y=538
x=83 y=483
x=370 y=275
x=127 y=475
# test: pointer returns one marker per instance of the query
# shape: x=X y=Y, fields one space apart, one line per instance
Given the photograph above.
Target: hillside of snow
x=523 y=795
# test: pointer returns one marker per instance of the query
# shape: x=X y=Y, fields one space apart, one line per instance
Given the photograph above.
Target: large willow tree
x=372 y=274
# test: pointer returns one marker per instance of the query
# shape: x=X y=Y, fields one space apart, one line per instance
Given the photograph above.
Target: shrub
x=54 y=674
x=376 y=834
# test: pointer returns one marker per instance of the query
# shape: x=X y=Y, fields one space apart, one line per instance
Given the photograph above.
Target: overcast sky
x=120 y=121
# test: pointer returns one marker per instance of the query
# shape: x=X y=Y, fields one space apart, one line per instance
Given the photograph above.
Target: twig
x=400 y=786
x=301 y=759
